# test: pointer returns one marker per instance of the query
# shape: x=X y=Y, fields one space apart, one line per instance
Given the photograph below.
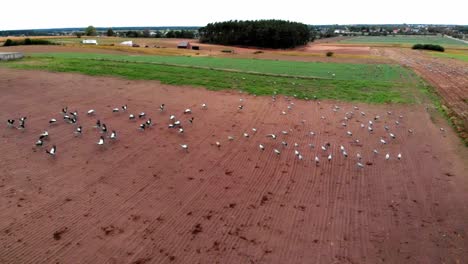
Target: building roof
x=183 y=43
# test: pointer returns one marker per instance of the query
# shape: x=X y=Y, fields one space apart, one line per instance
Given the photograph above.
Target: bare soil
x=142 y=199
x=449 y=77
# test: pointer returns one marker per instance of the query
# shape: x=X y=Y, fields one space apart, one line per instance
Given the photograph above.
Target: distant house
x=89 y=41
x=127 y=43
x=184 y=45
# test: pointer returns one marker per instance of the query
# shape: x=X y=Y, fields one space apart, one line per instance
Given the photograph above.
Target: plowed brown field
x=142 y=199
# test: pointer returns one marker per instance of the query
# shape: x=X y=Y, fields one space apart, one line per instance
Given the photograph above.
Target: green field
x=338 y=71
x=457 y=56
x=405 y=40
x=381 y=84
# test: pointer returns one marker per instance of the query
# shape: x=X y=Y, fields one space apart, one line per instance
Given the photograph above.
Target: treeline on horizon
x=276 y=34
x=52 y=31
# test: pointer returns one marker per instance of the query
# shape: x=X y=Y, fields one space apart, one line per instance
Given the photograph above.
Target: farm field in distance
x=257 y=156
x=452 y=55
x=405 y=40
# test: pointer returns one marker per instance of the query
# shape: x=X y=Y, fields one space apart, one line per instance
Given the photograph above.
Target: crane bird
x=273 y=136
x=203 y=106
x=115 y=110
x=329 y=157
x=387 y=157
x=124 y=108
x=358 y=155
x=101 y=141
x=52 y=121
x=91 y=112
x=113 y=135
x=360 y=165
x=131 y=117
x=65 y=110
x=181 y=130
x=141 y=115
x=184 y=147
x=149 y=122
x=246 y=135
x=261 y=147
x=296 y=152
x=78 y=131
x=10 y=122
x=399 y=156
x=52 y=151
x=277 y=152
x=44 y=135
x=103 y=128
x=187 y=111
x=230 y=138
x=349 y=133
x=22 y=124
x=383 y=141
x=39 y=142
x=317 y=160
x=218 y=144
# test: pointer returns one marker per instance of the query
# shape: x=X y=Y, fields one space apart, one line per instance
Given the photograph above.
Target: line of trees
x=27 y=41
x=157 y=34
x=429 y=47
x=277 y=34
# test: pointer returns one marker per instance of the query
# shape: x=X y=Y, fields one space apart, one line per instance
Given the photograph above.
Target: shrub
x=8 y=42
x=258 y=52
x=27 y=41
x=329 y=54
x=429 y=47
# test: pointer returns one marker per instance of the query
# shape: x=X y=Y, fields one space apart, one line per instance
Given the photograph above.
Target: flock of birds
x=73 y=118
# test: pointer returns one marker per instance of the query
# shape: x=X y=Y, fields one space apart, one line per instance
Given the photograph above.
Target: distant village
x=455 y=31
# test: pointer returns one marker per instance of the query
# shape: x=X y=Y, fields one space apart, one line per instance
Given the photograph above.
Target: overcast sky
x=30 y=14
